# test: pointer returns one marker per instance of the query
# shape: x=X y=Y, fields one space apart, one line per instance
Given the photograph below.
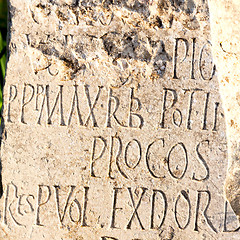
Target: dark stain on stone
x=66 y=57
x=70 y=62
x=166 y=9
x=109 y=43
x=137 y=7
x=159 y=22
x=134 y=6
x=79 y=48
x=45 y=8
x=187 y=6
x=160 y=60
x=126 y=46
x=47 y=49
x=61 y=16
x=41 y=6
x=107 y=3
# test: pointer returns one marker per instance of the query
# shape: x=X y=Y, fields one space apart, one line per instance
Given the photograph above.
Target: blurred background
x=3 y=37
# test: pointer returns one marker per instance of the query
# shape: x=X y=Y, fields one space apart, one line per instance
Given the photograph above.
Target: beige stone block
x=113 y=126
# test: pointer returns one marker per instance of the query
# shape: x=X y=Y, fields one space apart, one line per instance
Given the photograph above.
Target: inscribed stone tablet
x=113 y=127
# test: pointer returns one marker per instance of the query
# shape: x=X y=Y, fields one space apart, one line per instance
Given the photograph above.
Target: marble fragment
x=113 y=126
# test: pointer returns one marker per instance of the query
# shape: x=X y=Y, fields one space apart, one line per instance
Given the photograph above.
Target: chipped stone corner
x=225 y=28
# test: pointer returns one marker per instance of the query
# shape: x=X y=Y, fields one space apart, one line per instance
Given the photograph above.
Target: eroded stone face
x=113 y=125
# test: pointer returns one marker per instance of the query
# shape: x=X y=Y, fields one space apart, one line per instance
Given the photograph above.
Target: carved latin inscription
x=19 y=207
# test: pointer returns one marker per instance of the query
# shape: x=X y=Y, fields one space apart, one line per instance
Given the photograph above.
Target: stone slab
x=113 y=126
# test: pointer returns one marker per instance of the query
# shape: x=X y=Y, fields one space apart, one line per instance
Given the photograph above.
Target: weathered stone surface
x=113 y=126
x=225 y=35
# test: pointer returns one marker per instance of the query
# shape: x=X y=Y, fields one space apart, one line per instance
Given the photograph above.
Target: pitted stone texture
x=112 y=123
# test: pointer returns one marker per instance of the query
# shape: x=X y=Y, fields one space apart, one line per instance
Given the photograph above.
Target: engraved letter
x=92 y=106
x=215 y=116
x=165 y=108
x=154 y=196
x=112 y=114
x=12 y=97
x=29 y=203
x=126 y=153
x=186 y=198
x=93 y=157
x=135 y=208
x=9 y=204
x=184 y=150
x=50 y=113
x=75 y=102
x=205 y=112
x=114 y=207
x=68 y=39
x=61 y=218
x=203 y=162
x=25 y=102
x=201 y=65
x=190 y=108
x=150 y=165
x=131 y=113
x=40 y=203
x=176 y=55
x=193 y=58
x=79 y=211
x=117 y=157
x=39 y=86
x=205 y=210
x=85 y=201
x=177 y=118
